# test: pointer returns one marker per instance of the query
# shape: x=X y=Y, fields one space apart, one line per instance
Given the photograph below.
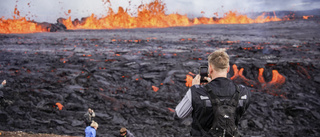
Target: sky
x=51 y=10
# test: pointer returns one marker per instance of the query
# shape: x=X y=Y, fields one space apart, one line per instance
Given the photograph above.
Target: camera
x=203 y=71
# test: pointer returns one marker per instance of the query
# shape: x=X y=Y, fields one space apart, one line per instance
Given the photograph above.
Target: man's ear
x=210 y=70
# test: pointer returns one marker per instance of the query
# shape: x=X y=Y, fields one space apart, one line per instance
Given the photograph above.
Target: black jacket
x=202 y=108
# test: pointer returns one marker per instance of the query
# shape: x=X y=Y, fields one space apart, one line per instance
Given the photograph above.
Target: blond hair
x=94 y=124
x=123 y=129
x=219 y=59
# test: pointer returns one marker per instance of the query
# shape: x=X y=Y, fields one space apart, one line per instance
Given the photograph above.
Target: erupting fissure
x=151 y=15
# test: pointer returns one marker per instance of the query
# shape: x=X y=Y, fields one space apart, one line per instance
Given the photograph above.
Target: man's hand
x=196 y=80
x=208 y=79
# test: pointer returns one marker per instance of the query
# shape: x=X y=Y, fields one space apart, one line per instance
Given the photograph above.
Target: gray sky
x=50 y=10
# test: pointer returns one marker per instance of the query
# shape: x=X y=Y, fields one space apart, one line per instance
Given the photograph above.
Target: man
x=88 y=116
x=125 y=133
x=197 y=99
x=91 y=130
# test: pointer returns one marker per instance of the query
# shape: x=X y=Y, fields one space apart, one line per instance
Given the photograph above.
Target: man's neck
x=218 y=74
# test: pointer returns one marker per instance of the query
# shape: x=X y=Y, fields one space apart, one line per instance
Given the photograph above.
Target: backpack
x=224 y=109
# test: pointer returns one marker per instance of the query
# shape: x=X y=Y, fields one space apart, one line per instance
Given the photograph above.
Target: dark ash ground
x=113 y=72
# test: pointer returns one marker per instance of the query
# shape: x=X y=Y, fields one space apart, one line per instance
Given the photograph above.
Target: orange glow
x=189 y=79
x=155 y=89
x=190 y=73
x=276 y=82
x=239 y=75
x=260 y=77
x=307 y=17
x=19 y=25
x=151 y=15
x=247 y=81
x=277 y=79
x=60 y=106
x=170 y=109
x=236 y=18
x=235 y=71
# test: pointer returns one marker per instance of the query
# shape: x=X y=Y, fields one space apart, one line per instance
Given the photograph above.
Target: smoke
x=50 y=10
x=194 y=8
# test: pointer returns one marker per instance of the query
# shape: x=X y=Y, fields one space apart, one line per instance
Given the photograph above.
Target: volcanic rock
x=53 y=78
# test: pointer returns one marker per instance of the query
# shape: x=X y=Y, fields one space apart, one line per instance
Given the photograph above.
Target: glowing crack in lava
x=271 y=87
x=151 y=15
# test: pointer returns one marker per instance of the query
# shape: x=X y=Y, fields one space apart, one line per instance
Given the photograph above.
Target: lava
x=307 y=17
x=19 y=25
x=189 y=79
x=151 y=15
x=277 y=79
x=155 y=89
x=60 y=106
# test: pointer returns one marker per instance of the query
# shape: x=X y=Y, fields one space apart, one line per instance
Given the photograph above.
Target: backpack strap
x=216 y=101
x=213 y=97
x=235 y=97
x=203 y=132
x=234 y=101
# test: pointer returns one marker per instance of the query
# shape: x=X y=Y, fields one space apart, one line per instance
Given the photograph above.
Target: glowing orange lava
x=239 y=74
x=151 y=15
x=19 y=25
x=276 y=82
x=260 y=77
x=60 y=106
x=171 y=110
x=277 y=79
x=307 y=17
x=189 y=79
x=155 y=89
